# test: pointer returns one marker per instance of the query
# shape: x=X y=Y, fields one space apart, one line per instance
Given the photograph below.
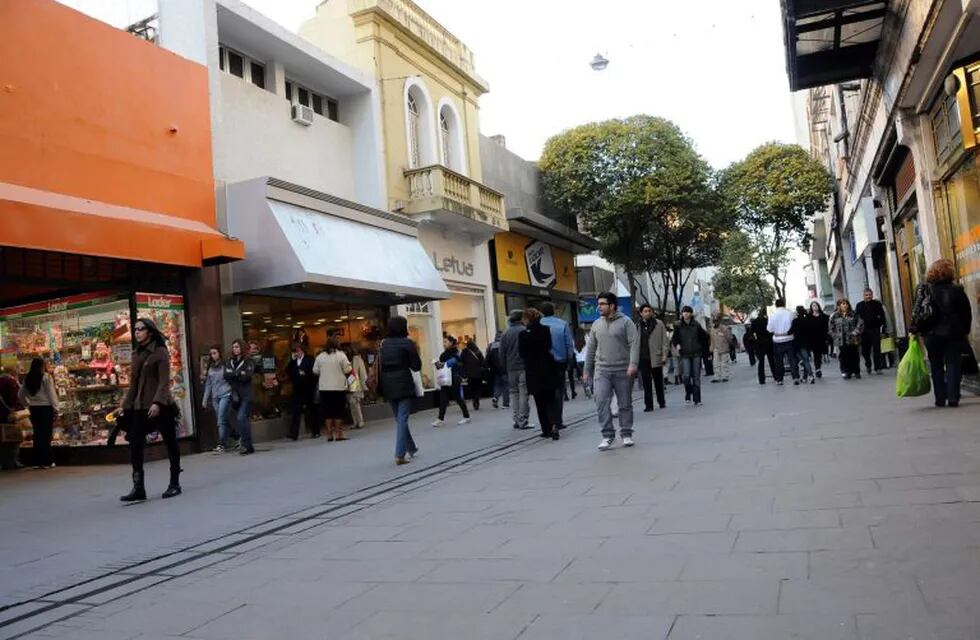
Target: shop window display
x=86 y=341
x=167 y=313
x=271 y=325
x=464 y=317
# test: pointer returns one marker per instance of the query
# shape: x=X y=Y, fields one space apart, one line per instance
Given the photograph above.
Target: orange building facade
x=107 y=213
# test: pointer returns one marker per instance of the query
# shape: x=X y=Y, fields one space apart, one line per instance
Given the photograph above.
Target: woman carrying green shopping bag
x=942 y=314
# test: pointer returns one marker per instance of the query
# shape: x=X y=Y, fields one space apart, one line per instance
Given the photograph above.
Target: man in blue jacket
x=562 y=350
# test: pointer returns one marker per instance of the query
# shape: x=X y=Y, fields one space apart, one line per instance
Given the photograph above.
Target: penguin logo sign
x=540 y=265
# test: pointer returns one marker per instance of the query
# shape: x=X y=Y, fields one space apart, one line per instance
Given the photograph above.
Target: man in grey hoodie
x=514 y=367
x=613 y=357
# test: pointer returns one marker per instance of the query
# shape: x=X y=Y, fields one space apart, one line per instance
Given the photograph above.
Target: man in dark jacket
x=763 y=343
x=875 y=323
x=692 y=342
x=514 y=366
x=300 y=374
x=498 y=373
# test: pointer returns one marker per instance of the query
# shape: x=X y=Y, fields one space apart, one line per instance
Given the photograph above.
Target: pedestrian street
x=823 y=511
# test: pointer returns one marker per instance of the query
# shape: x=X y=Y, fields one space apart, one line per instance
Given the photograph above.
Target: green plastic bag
x=913 y=373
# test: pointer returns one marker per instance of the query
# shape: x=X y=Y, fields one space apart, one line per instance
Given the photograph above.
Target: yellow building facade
x=430 y=94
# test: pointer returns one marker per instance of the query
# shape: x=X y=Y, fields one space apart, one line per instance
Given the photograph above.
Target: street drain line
x=67 y=602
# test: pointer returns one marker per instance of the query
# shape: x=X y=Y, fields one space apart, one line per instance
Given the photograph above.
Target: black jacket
x=473 y=362
x=398 y=358
x=953 y=314
x=239 y=374
x=817 y=330
x=534 y=345
x=691 y=337
x=300 y=374
x=873 y=314
x=760 y=331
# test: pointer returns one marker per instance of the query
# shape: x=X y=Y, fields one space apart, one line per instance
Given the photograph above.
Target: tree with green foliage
x=627 y=180
x=773 y=193
x=740 y=284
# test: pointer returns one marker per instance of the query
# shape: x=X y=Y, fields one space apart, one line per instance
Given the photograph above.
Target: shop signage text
x=452 y=264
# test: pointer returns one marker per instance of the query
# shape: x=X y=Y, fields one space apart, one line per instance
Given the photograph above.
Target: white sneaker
x=438 y=423
x=464 y=421
x=628 y=441
x=605 y=444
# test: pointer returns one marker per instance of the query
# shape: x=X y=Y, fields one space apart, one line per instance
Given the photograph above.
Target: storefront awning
x=541 y=227
x=831 y=41
x=303 y=243
x=48 y=221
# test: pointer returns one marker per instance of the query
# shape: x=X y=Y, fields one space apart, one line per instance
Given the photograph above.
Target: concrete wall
x=257 y=137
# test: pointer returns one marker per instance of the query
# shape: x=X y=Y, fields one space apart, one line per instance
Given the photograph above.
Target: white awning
x=333 y=250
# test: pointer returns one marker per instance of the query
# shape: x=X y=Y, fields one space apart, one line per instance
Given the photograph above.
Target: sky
x=714 y=67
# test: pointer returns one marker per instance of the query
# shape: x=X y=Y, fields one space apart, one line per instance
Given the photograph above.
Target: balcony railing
x=436 y=188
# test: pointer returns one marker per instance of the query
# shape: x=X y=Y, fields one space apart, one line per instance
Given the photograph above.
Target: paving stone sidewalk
x=832 y=511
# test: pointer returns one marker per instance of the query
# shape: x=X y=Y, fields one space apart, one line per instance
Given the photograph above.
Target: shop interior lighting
x=359 y=318
x=247 y=313
x=321 y=319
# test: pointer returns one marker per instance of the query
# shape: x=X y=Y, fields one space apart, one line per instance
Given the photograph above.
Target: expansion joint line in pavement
x=67 y=602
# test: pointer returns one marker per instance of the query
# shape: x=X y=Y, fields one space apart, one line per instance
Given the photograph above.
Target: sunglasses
x=140 y=329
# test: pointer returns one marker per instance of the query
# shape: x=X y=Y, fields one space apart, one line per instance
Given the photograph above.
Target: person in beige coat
x=354 y=398
x=720 y=339
x=654 y=351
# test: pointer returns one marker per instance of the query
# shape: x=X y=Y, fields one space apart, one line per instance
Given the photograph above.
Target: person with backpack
x=473 y=366
x=943 y=315
x=497 y=374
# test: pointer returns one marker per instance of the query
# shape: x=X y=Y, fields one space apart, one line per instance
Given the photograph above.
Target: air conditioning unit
x=302 y=115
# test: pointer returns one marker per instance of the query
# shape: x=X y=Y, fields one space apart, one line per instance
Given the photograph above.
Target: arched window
x=414 y=143
x=445 y=134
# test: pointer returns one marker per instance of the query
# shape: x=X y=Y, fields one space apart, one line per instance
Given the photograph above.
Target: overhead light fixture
x=599 y=62
x=951 y=85
x=338 y=320
x=359 y=318
x=247 y=313
x=321 y=319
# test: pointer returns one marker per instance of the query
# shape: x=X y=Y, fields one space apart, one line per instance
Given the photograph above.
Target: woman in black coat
x=818 y=331
x=399 y=358
x=541 y=370
x=946 y=325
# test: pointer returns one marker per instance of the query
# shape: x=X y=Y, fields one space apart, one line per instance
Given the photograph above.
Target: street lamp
x=599 y=62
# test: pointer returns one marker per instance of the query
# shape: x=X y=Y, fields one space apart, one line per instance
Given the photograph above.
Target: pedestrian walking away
x=304 y=383
x=818 y=329
x=942 y=314
x=732 y=344
x=473 y=366
x=872 y=314
x=355 y=387
x=654 y=351
x=332 y=368
x=544 y=375
x=217 y=392
x=748 y=343
x=498 y=374
x=148 y=407
x=780 y=325
x=514 y=366
x=563 y=353
x=239 y=370
x=762 y=338
x=450 y=388
x=580 y=353
x=846 y=327
x=400 y=364
x=692 y=342
x=720 y=348
x=612 y=363
x=41 y=399
x=801 y=329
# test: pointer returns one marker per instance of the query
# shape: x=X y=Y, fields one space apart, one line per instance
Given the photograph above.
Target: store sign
x=59 y=305
x=522 y=260
x=453 y=265
x=159 y=301
x=540 y=265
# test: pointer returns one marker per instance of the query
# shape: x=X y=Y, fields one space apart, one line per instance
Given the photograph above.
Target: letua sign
x=453 y=265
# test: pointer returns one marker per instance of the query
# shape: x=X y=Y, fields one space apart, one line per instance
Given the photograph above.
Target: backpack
x=923 y=309
x=494 y=360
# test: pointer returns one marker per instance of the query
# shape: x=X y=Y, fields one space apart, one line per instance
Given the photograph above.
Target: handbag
x=888 y=344
x=353 y=383
x=444 y=376
x=968 y=361
x=417 y=381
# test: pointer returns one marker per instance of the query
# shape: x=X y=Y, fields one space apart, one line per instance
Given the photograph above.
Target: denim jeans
x=221 y=406
x=501 y=390
x=244 y=423
x=403 y=437
x=691 y=373
x=606 y=384
x=803 y=357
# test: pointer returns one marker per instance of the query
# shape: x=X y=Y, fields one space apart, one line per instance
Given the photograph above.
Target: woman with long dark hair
x=846 y=327
x=451 y=358
x=39 y=396
x=217 y=390
x=945 y=325
x=149 y=407
x=399 y=359
x=819 y=324
x=238 y=371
